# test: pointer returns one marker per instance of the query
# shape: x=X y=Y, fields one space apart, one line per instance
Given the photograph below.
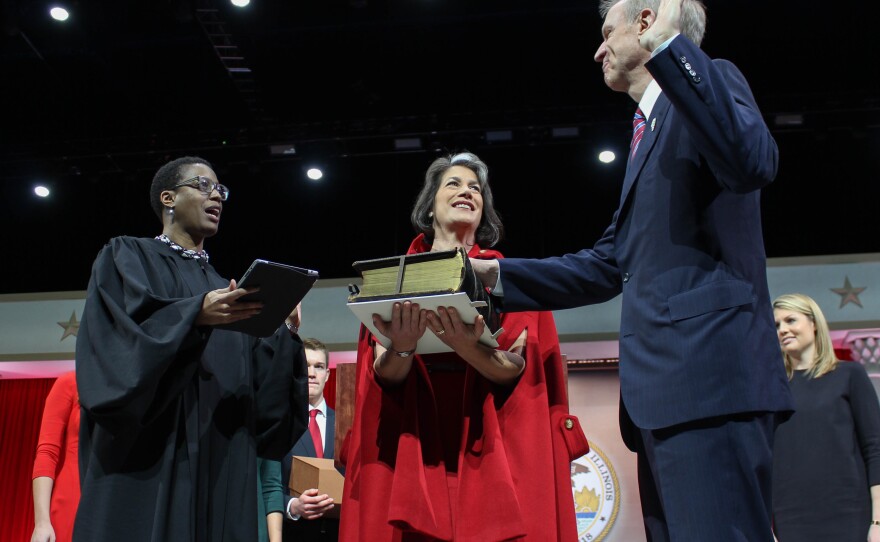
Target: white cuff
x=660 y=48
x=497 y=290
x=291 y=515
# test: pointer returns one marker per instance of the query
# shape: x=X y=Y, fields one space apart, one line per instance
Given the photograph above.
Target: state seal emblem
x=594 y=486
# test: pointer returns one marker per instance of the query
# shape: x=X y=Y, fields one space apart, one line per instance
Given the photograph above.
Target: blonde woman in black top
x=826 y=460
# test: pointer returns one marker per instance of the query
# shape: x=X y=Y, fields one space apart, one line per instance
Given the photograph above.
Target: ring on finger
x=441 y=332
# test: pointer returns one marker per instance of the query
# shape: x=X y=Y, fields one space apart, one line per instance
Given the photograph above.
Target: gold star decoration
x=71 y=327
x=848 y=294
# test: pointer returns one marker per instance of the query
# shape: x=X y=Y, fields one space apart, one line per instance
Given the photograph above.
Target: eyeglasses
x=206 y=186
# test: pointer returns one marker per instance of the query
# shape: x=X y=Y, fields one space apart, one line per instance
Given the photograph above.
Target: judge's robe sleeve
x=138 y=348
x=281 y=390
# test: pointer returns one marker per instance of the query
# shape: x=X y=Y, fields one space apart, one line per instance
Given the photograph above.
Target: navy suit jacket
x=685 y=249
x=306 y=448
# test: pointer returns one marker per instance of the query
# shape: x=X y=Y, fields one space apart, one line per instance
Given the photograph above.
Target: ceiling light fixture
x=59 y=13
x=606 y=157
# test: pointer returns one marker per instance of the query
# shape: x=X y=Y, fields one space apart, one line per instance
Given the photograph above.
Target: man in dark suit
x=702 y=380
x=304 y=517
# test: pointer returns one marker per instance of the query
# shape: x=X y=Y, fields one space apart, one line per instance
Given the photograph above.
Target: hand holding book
x=431 y=280
x=407 y=324
x=410 y=322
x=452 y=329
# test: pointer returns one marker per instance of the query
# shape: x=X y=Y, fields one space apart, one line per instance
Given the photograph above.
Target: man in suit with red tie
x=702 y=381
x=304 y=517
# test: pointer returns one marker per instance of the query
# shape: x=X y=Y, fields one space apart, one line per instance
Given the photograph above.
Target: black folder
x=281 y=286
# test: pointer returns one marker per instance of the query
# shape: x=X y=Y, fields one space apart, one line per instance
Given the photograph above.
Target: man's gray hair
x=693 y=14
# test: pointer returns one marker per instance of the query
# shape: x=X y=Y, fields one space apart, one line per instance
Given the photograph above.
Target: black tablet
x=281 y=286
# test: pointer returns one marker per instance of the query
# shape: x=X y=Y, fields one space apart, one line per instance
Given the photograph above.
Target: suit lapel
x=306 y=448
x=652 y=132
x=307 y=445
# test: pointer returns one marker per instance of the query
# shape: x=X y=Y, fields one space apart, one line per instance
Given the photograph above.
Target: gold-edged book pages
x=414 y=274
x=431 y=279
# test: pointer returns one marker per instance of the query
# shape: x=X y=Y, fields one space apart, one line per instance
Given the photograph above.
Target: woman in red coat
x=470 y=445
x=56 y=470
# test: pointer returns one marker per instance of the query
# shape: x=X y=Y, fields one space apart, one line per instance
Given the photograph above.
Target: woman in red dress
x=56 y=470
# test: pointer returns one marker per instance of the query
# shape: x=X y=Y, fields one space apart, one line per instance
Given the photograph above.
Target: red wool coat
x=504 y=474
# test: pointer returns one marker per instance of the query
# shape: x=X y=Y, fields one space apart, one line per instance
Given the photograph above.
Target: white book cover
x=429 y=343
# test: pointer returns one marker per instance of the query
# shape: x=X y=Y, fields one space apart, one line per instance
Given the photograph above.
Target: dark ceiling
x=94 y=106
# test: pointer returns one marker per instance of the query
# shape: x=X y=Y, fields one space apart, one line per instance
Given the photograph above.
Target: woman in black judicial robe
x=175 y=412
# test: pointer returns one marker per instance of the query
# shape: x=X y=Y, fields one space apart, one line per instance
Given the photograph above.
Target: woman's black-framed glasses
x=206 y=185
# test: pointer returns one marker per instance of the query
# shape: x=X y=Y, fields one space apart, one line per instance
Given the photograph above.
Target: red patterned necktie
x=638 y=131
x=316 y=433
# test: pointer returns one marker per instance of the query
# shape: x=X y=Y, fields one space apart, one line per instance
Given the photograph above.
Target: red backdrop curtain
x=21 y=410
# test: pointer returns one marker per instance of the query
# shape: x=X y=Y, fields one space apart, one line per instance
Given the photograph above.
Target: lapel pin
x=653 y=123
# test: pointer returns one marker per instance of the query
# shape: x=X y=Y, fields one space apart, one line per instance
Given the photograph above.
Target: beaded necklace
x=185 y=252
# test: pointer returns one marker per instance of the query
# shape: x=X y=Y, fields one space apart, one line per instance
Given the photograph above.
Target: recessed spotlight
x=606 y=157
x=59 y=13
x=314 y=173
x=41 y=191
x=240 y=3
